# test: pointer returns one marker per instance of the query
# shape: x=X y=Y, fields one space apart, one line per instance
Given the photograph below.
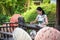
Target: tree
x=46 y=1
x=9 y=7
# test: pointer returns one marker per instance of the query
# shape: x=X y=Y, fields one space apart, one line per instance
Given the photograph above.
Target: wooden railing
x=6 y=32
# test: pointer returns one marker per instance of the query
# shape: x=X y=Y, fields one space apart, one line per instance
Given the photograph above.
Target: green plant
x=9 y=7
x=3 y=18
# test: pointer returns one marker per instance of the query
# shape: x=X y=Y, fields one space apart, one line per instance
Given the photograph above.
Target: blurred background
x=27 y=8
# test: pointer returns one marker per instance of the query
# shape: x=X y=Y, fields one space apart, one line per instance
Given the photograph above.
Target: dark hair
x=40 y=9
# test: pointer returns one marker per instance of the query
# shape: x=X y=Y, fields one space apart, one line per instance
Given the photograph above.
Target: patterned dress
x=48 y=33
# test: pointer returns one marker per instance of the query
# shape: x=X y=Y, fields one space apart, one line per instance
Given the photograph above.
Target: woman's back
x=20 y=34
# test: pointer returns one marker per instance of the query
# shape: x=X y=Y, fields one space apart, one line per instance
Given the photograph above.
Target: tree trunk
x=28 y=4
x=58 y=15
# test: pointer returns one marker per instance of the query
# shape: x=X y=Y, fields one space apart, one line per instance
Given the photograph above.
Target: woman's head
x=40 y=11
x=48 y=33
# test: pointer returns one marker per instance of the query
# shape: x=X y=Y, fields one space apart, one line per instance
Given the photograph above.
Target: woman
x=48 y=33
x=20 y=34
x=41 y=18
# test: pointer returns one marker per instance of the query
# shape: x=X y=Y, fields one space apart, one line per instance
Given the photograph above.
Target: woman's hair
x=20 y=34
x=48 y=33
x=40 y=9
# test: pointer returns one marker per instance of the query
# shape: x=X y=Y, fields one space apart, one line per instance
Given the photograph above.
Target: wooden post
x=58 y=14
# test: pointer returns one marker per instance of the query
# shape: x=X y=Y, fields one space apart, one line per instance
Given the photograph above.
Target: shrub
x=3 y=18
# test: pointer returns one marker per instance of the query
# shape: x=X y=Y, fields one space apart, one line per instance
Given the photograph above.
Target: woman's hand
x=44 y=23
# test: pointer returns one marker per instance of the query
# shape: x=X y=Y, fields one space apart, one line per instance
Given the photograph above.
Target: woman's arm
x=46 y=21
